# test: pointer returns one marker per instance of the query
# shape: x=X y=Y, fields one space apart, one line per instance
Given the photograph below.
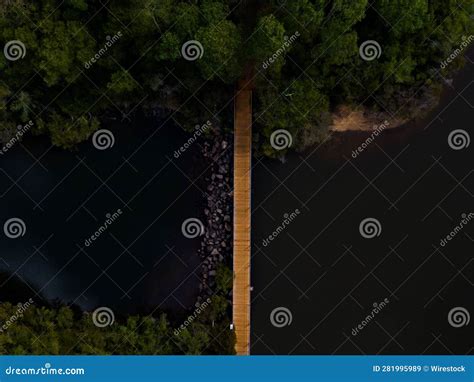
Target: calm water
x=329 y=276
x=141 y=262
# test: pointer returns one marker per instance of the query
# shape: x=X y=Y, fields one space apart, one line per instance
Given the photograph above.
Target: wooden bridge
x=242 y=214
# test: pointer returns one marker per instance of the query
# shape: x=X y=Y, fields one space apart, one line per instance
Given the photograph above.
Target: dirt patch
x=350 y=119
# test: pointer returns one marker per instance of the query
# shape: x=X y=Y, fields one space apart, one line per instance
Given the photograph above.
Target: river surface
x=324 y=277
x=141 y=262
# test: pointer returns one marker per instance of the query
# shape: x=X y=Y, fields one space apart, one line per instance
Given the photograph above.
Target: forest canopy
x=72 y=64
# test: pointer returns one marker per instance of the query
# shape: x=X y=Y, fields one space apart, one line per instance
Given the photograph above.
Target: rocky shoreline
x=216 y=243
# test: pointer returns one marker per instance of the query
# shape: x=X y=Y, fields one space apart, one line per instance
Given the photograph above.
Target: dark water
x=329 y=276
x=142 y=262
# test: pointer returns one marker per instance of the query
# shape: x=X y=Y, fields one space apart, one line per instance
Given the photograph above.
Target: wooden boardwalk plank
x=242 y=216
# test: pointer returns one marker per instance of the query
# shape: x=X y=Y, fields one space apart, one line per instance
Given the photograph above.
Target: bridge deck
x=242 y=216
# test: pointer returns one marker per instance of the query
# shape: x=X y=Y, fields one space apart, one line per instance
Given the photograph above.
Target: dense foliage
x=137 y=63
x=323 y=68
x=36 y=327
x=42 y=330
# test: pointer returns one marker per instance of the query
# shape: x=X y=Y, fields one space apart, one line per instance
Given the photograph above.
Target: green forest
x=56 y=331
x=84 y=60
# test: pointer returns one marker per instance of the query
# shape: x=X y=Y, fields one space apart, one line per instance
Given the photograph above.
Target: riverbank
x=360 y=118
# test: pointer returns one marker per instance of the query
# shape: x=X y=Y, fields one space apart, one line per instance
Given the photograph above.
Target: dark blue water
x=141 y=262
